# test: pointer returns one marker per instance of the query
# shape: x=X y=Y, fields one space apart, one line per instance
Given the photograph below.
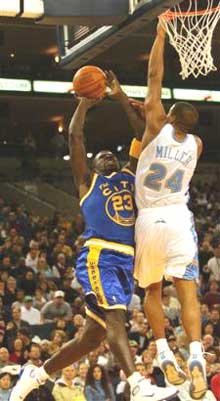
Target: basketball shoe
x=172 y=372
x=29 y=380
x=197 y=373
x=141 y=390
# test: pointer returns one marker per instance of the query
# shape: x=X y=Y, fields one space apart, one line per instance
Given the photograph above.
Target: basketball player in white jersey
x=165 y=236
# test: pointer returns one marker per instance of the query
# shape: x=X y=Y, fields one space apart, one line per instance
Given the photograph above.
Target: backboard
x=78 y=44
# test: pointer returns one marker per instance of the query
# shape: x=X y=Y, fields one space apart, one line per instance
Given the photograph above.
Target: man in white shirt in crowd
x=29 y=313
x=32 y=257
x=214 y=264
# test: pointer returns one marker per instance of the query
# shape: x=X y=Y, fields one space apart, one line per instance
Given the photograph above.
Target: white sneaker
x=27 y=382
x=197 y=372
x=142 y=390
x=172 y=372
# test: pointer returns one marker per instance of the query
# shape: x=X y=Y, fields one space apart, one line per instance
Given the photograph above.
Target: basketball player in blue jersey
x=105 y=264
x=165 y=236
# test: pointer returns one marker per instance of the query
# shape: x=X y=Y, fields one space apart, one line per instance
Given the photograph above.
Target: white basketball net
x=190 y=33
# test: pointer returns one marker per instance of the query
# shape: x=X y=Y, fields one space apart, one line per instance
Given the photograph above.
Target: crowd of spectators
x=42 y=307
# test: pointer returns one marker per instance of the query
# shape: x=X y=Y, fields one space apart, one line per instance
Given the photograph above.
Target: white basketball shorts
x=166 y=245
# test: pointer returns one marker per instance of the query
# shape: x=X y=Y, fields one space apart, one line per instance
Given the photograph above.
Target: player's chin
x=109 y=170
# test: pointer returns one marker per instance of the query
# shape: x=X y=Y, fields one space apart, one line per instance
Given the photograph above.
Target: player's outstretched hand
x=114 y=90
x=139 y=107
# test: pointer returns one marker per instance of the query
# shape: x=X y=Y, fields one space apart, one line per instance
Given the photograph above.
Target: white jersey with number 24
x=165 y=169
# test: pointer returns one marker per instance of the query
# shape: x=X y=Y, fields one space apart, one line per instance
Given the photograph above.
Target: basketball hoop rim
x=169 y=15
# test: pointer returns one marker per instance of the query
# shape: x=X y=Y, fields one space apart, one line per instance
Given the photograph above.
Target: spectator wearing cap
x=30 y=314
x=134 y=351
x=172 y=342
x=5 y=386
x=56 y=309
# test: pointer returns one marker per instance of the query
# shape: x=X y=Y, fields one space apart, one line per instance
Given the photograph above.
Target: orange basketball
x=90 y=82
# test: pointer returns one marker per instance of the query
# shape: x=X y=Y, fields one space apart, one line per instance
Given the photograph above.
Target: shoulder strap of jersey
x=94 y=179
x=128 y=171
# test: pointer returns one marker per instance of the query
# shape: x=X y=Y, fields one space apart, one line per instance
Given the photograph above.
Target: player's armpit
x=156 y=119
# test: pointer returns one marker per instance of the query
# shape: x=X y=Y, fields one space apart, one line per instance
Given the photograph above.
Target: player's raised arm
x=155 y=113
x=80 y=169
x=136 y=121
x=116 y=93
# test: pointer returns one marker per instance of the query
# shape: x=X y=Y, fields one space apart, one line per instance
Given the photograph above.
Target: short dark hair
x=186 y=116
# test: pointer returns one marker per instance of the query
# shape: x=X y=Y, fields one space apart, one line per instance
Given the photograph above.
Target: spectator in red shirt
x=215 y=386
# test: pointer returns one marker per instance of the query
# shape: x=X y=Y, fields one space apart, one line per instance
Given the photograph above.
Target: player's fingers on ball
x=108 y=79
x=113 y=76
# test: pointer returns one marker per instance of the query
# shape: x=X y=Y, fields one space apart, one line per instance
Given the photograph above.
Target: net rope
x=190 y=33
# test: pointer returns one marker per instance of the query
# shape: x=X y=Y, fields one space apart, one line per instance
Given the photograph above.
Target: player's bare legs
x=190 y=311
x=91 y=338
x=118 y=340
x=153 y=307
x=155 y=316
x=75 y=349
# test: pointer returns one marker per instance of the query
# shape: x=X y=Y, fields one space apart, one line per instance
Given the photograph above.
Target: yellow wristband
x=135 y=149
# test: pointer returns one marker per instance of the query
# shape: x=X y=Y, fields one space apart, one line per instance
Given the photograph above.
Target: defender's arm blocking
x=155 y=113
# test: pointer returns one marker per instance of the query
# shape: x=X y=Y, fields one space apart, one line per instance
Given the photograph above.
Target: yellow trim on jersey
x=117 y=306
x=126 y=170
x=96 y=318
x=95 y=176
x=94 y=276
x=102 y=244
x=111 y=175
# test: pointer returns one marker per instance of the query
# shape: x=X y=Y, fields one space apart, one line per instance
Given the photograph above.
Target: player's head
x=183 y=116
x=105 y=163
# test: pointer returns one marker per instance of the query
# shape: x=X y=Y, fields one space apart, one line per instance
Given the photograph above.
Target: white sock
x=195 y=347
x=42 y=374
x=133 y=379
x=162 y=345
